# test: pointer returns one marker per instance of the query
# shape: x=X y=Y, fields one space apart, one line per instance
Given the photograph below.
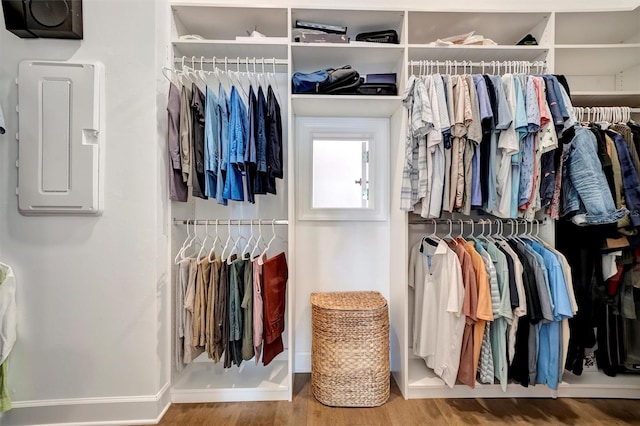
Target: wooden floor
x=305 y=410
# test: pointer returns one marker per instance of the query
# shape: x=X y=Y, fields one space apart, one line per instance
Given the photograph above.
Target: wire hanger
x=200 y=258
x=273 y=237
x=226 y=243
x=449 y=236
x=177 y=259
x=258 y=240
x=193 y=239
x=213 y=247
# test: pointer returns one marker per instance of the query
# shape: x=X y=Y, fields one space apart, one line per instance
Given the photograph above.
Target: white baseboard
x=302 y=362
x=136 y=410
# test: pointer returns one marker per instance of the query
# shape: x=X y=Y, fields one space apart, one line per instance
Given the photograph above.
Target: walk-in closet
x=225 y=202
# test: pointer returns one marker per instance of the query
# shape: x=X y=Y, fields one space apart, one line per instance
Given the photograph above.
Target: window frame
x=376 y=132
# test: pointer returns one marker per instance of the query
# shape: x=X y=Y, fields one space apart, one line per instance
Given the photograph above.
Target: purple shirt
x=177 y=186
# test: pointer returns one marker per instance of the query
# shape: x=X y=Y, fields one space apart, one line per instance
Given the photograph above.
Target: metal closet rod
x=477 y=64
x=231 y=221
x=422 y=221
x=194 y=60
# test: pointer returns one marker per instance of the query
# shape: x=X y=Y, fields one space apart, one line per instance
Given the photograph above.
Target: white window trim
x=376 y=130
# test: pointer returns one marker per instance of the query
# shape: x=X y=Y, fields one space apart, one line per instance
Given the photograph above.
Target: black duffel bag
x=329 y=81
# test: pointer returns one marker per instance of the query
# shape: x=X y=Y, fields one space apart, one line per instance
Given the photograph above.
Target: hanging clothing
x=223 y=159
x=197 y=139
x=274 y=288
x=191 y=352
x=211 y=143
x=258 y=306
x=238 y=131
x=186 y=143
x=275 y=165
x=440 y=322
x=212 y=297
x=177 y=186
x=248 y=349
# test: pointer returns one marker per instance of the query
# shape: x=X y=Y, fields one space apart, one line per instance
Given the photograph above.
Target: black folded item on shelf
x=327 y=28
x=379 y=89
x=322 y=38
x=527 y=40
x=385 y=36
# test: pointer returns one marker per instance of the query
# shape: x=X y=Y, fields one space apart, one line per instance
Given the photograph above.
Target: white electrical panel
x=60 y=138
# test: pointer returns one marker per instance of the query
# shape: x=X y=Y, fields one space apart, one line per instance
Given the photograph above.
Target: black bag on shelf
x=328 y=81
x=379 y=89
x=386 y=36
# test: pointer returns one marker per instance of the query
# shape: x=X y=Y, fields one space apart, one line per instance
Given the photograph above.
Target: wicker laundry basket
x=350 y=349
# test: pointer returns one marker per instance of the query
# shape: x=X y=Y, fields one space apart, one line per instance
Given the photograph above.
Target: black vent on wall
x=44 y=18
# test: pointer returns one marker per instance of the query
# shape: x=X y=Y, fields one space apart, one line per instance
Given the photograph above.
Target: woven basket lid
x=349 y=300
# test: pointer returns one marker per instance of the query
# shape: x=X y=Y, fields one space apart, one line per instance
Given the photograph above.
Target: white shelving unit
x=602 y=64
x=598 y=51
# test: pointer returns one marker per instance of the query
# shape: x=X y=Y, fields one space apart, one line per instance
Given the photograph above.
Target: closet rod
x=231 y=221
x=476 y=64
x=195 y=60
x=422 y=221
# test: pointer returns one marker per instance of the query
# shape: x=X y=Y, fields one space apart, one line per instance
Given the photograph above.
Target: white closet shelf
x=208 y=382
x=606 y=98
x=477 y=53
x=603 y=27
x=423 y=383
x=604 y=59
x=214 y=22
x=506 y=28
x=345 y=105
x=366 y=58
x=599 y=46
x=356 y=21
x=229 y=48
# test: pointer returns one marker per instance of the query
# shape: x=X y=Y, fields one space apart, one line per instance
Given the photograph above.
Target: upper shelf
x=356 y=21
x=225 y=23
x=345 y=105
x=229 y=48
x=477 y=53
x=603 y=27
x=596 y=59
x=503 y=28
x=366 y=58
x=608 y=98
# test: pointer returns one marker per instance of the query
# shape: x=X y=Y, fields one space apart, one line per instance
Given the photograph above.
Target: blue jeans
x=584 y=185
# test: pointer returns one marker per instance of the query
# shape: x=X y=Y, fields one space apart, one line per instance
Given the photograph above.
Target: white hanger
x=461 y=228
x=216 y=240
x=226 y=243
x=276 y=91
x=433 y=235
x=171 y=75
x=234 y=249
x=449 y=235
x=258 y=240
x=246 y=248
x=176 y=260
x=273 y=237
x=472 y=231
x=200 y=258
x=193 y=239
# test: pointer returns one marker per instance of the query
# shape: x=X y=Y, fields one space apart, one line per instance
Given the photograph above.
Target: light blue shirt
x=223 y=111
x=528 y=153
x=520 y=124
x=548 y=369
x=211 y=143
x=238 y=132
